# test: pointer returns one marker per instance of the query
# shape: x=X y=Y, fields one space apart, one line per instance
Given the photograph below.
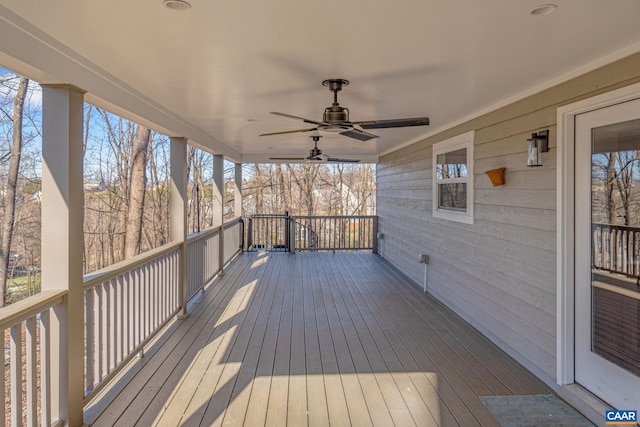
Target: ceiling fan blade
x=299 y=118
x=298 y=159
x=314 y=160
x=287 y=131
x=358 y=134
x=333 y=159
x=393 y=123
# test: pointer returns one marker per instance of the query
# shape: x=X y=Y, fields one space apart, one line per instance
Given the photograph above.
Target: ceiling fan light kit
x=336 y=119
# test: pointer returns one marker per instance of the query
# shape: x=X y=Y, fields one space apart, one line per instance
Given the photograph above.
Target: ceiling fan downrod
x=315 y=151
x=335 y=114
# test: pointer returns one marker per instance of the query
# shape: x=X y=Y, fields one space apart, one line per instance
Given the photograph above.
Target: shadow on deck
x=314 y=339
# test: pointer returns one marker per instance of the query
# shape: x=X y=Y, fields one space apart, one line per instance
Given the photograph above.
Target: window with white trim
x=453 y=178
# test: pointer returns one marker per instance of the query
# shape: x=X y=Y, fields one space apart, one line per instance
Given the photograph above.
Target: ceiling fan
x=315 y=155
x=336 y=119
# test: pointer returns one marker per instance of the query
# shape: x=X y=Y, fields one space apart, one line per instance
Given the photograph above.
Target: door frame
x=565 y=204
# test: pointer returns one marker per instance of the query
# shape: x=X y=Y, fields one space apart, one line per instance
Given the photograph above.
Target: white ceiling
x=213 y=73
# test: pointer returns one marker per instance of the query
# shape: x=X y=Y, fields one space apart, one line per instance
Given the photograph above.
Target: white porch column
x=237 y=191
x=178 y=214
x=218 y=190
x=62 y=242
x=218 y=203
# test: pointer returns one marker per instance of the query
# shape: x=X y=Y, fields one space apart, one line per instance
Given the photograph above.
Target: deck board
x=313 y=339
x=317 y=339
x=379 y=300
x=423 y=356
x=377 y=411
x=297 y=400
x=517 y=380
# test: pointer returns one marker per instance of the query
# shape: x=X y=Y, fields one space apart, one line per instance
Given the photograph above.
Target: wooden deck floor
x=314 y=339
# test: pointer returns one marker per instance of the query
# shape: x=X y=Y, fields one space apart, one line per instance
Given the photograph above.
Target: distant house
x=93 y=185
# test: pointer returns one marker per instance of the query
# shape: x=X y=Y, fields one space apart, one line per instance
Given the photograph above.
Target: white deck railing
x=28 y=326
x=232 y=239
x=616 y=249
x=125 y=305
x=204 y=258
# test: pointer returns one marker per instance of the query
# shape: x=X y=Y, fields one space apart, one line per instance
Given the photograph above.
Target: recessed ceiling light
x=176 y=4
x=543 y=9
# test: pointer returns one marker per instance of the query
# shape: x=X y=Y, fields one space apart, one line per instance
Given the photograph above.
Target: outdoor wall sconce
x=539 y=143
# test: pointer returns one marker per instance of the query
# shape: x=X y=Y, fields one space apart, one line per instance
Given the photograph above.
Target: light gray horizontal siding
x=500 y=272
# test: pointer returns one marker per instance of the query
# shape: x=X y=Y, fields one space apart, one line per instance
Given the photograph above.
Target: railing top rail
x=334 y=216
x=202 y=234
x=618 y=227
x=232 y=222
x=312 y=216
x=118 y=268
x=22 y=310
x=211 y=230
x=336 y=249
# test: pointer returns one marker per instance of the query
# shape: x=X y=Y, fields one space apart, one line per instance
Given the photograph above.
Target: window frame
x=466 y=141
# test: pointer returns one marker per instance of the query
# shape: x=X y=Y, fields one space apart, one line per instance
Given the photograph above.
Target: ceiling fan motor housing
x=335 y=114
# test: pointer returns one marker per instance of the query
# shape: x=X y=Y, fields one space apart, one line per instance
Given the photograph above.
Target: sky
x=99 y=152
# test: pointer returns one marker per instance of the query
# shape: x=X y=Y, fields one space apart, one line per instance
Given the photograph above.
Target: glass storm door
x=607 y=242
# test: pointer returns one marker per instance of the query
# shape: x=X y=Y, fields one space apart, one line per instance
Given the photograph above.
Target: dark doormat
x=533 y=411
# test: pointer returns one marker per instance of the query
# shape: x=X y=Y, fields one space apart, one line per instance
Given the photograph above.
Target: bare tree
x=137 y=191
x=200 y=191
x=627 y=161
x=126 y=189
x=10 y=189
x=309 y=189
x=156 y=221
x=305 y=176
x=610 y=186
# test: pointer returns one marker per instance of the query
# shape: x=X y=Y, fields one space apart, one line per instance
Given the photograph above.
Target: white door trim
x=565 y=312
